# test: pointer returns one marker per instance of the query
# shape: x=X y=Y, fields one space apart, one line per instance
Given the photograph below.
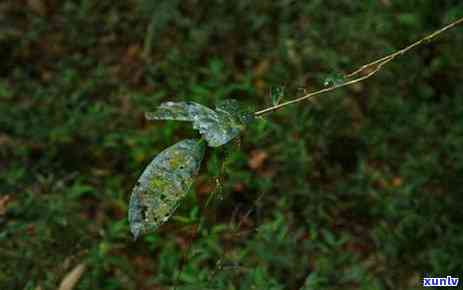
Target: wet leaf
x=163 y=184
x=217 y=126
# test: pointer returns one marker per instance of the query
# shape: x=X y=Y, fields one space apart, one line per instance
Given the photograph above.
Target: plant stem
x=376 y=65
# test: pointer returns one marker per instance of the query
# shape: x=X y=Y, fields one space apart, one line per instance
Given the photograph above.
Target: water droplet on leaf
x=217 y=126
x=163 y=184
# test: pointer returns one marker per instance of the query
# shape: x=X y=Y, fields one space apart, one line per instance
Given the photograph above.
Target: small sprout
x=334 y=79
x=277 y=94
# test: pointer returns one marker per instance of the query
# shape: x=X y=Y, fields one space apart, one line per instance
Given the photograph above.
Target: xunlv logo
x=440 y=282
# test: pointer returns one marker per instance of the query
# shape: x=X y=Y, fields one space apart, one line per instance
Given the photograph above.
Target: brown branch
x=376 y=65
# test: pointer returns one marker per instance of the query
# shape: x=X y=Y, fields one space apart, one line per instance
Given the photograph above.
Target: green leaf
x=334 y=79
x=277 y=94
x=217 y=127
x=163 y=184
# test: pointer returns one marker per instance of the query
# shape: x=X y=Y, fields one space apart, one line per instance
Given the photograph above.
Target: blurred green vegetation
x=358 y=189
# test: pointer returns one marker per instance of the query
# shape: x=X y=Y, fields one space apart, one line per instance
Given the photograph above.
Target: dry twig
x=375 y=65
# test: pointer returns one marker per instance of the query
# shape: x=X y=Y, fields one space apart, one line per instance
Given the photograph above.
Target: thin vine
x=377 y=65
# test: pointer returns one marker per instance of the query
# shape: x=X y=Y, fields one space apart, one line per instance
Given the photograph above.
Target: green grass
x=360 y=189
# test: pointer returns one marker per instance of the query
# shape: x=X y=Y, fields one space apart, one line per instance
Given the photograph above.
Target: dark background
x=358 y=189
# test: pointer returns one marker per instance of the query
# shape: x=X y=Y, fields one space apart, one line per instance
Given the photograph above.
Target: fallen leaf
x=257 y=159
x=4 y=200
x=205 y=188
x=30 y=230
x=386 y=2
x=71 y=279
x=396 y=182
x=38 y=6
x=133 y=51
x=239 y=187
x=260 y=86
x=6 y=140
x=126 y=104
x=261 y=68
